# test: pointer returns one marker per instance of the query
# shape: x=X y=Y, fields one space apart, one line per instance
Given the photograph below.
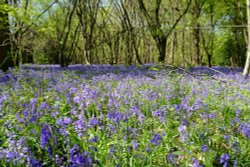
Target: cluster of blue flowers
x=114 y=116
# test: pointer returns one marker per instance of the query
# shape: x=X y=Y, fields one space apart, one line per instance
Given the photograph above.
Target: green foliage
x=38 y=31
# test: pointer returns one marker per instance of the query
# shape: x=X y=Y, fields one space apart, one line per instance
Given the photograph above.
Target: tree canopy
x=182 y=32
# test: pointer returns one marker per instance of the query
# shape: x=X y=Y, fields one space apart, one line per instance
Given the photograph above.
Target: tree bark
x=196 y=36
x=247 y=64
x=197 y=8
x=173 y=48
x=161 y=46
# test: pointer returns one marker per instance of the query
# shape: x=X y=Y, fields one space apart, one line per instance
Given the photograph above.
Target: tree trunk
x=161 y=46
x=247 y=64
x=196 y=36
x=116 y=48
x=209 y=57
x=183 y=49
x=5 y=56
x=173 y=48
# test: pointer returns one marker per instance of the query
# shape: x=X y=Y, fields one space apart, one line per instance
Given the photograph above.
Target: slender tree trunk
x=196 y=35
x=116 y=49
x=183 y=48
x=111 y=60
x=129 y=27
x=247 y=64
x=173 y=47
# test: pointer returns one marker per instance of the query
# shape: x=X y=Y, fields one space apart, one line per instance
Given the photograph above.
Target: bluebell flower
x=93 y=122
x=245 y=129
x=135 y=109
x=183 y=132
x=115 y=116
x=224 y=158
x=59 y=121
x=212 y=115
x=171 y=158
x=226 y=137
x=78 y=158
x=235 y=147
x=79 y=125
x=147 y=149
x=35 y=163
x=77 y=99
x=26 y=113
x=159 y=114
x=237 y=112
x=10 y=155
x=196 y=163
x=112 y=150
x=156 y=139
x=204 y=148
x=74 y=150
x=135 y=145
x=94 y=139
x=83 y=160
x=44 y=105
x=50 y=151
x=235 y=163
x=45 y=135
x=33 y=119
x=67 y=121
x=99 y=106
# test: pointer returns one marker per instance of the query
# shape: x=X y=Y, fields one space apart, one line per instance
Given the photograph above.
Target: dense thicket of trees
x=180 y=32
x=5 y=58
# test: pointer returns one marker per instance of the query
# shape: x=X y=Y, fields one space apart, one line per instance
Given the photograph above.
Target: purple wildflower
x=77 y=99
x=135 y=109
x=224 y=158
x=183 y=132
x=226 y=137
x=135 y=145
x=35 y=163
x=67 y=121
x=59 y=121
x=159 y=114
x=93 y=122
x=84 y=160
x=94 y=139
x=112 y=150
x=245 y=129
x=44 y=105
x=235 y=147
x=11 y=155
x=99 y=106
x=171 y=158
x=237 y=112
x=204 y=148
x=196 y=163
x=212 y=115
x=147 y=149
x=78 y=158
x=156 y=139
x=45 y=135
x=235 y=163
x=115 y=116
x=50 y=151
